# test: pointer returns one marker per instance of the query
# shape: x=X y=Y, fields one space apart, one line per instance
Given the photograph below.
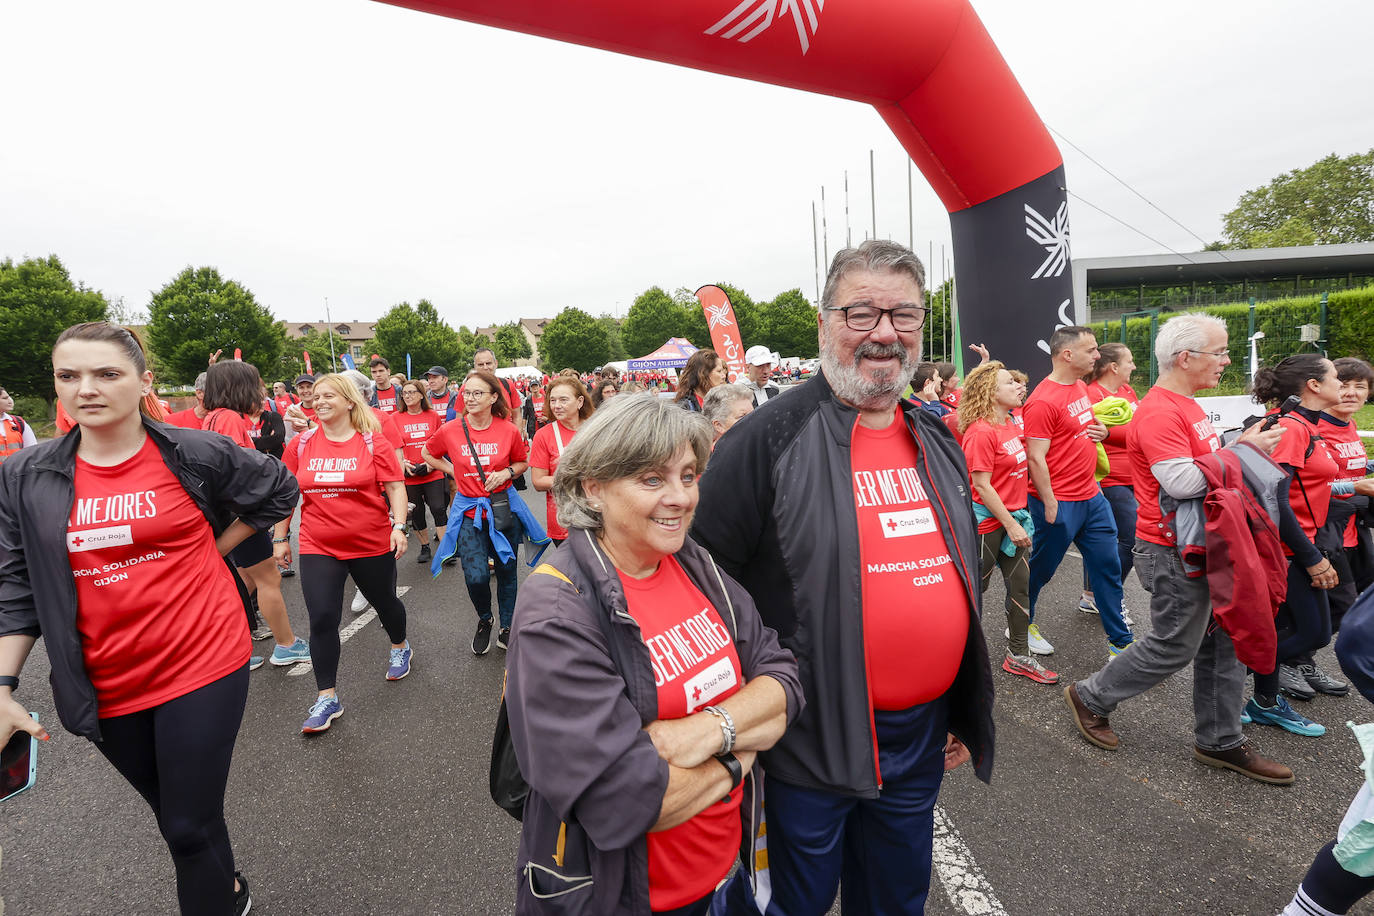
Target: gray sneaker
x=1322 y=682
x=1294 y=684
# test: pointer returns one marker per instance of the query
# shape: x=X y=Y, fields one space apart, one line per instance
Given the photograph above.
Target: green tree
x=38 y=300
x=428 y=339
x=574 y=339
x=652 y=319
x=617 y=343
x=788 y=325
x=1330 y=201
x=510 y=344
x=316 y=343
x=200 y=312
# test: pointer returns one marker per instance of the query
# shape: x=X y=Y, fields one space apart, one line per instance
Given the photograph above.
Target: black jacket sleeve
x=1290 y=530
x=18 y=615
x=251 y=486
x=273 y=437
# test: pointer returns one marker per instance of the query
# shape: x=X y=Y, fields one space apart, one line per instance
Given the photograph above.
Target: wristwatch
x=731 y=763
x=10 y=681
x=398 y=526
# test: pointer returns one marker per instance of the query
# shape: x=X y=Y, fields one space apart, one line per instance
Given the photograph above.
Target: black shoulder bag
x=501 y=515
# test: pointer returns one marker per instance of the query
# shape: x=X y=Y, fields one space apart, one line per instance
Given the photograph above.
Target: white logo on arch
x=760 y=15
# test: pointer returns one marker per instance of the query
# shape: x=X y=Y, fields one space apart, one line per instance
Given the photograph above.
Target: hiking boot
x=1245 y=761
x=1091 y=726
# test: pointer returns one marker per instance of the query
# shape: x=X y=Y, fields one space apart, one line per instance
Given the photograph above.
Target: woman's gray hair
x=364 y=383
x=721 y=398
x=1184 y=332
x=627 y=436
x=875 y=256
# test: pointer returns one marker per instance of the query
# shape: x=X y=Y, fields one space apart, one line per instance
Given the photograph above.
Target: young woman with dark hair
x=1304 y=621
x=151 y=662
x=232 y=390
x=704 y=371
x=425 y=487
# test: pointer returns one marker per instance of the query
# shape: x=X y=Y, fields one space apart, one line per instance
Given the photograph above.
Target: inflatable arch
x=937 y=79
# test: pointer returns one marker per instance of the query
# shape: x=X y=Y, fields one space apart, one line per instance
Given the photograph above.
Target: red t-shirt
x=157 y=609
x=1120 y=473
x=1001 y=451
x=284 y=402
x=498 y=447
x=1312 y=499
x=390 y=433
x=442 y=402
x=915 y=609
x=1348 y=448
x=1166 y=425
x=951 y=421
x=388 y=399
x=695 y=665
x=415 y=430
x=229 y=423
x=1062 y=414
x=544 y=452
x=186 y=419
x=343 y=515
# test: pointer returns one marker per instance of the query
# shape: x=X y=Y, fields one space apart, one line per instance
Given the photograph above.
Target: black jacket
x=579 y=691
x=37 y=592
x=777 y=513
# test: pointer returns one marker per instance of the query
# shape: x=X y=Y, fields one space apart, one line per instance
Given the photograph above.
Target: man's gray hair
x=874 y=255
x=627 y=436
x=721 y=398
x=365 y=385
x=200 y=381
x=1184 y=332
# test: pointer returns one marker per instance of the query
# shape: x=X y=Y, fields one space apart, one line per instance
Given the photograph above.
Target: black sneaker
x=452 y=561
x=481 y=640
x=425 y=555
x=243 y=901
x=1322 y=682
x=1294 y=684
x=503 y=637
x=287 y=573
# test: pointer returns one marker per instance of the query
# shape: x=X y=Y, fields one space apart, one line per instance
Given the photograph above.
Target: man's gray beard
x=849 y=383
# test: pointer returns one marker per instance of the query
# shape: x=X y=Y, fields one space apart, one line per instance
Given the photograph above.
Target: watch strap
x=731 y=763
x=10 y=681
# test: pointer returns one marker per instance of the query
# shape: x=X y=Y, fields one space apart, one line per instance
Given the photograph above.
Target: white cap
x=758 y=356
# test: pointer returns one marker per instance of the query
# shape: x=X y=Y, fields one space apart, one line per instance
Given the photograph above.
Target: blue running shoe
x=255 y=662
x=1284 y=716
x=1113 y=650
x=399 y=665
x=322 y=714
x=298 y=651
x=1245 y=716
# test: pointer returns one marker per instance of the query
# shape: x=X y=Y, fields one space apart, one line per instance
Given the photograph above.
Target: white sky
x=371 y=154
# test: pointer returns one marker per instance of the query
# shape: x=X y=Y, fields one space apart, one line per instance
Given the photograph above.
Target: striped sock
x=1303 y=905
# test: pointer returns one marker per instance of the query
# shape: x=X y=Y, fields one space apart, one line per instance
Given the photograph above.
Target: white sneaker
x=1087 y=605
x=1038 y=644
x=359 y=602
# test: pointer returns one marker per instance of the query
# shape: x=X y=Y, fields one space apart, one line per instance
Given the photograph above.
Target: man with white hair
x=758 y=366
x=1168 y=431
x=845 y=513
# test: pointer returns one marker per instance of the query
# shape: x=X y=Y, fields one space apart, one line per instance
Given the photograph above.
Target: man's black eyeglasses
x=866 y=317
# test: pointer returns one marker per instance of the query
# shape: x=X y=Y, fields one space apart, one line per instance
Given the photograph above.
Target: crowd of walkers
x=718 y=598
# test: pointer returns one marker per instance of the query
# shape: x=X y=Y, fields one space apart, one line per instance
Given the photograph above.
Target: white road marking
x=964 y=882
x=347 y=632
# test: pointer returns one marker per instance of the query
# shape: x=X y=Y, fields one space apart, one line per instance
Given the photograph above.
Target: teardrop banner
x=306 y=355
x=936 y=78
x=720 y=318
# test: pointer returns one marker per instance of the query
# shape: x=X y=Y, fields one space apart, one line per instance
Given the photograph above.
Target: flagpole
x=816 y=252
x=873 y=193
x=330 y=322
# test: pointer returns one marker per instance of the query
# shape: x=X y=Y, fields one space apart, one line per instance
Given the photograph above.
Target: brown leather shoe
x=1246 y=761
x=1090 y=724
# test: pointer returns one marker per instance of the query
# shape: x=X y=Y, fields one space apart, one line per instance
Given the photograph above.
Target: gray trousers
x=1180 y=612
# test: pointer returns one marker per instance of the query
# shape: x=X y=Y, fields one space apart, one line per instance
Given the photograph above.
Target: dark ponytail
x=1275 y=384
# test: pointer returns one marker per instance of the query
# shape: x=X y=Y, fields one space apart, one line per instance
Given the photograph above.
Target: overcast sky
x=372 y=155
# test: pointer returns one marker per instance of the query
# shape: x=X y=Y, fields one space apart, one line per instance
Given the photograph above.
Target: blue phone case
x=33 y=765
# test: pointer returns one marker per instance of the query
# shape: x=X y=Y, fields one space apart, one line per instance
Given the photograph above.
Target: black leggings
x=1332 y=887
x=434 y=495
x=177 y=756
x=1303 y=623
x=322 y=584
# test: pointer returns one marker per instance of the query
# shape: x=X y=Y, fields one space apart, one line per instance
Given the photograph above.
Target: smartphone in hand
x=18 y=763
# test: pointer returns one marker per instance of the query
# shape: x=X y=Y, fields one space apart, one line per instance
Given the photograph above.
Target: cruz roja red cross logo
x=77 y=540
x=696 y=694
x=891 y=525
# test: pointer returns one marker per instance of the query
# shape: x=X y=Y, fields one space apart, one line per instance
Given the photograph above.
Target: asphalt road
x=388 y=812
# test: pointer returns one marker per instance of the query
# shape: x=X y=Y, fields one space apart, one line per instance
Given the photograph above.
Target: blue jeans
x=474 y=547
x=881 y=847
x=1089 y=524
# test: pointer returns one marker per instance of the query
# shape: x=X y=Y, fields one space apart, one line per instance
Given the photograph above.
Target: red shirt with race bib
x=229 y=423
x=1348 y=448
x=415 y=430
x=1119 y=474
x=1062 y=414
x=343 y=513
x=544 y=453
x=388 y=401
x=915 y=608
x=695 y=665
x=498 y=446
x=1310 y=496
x=443 y=401
x=1166 y=425
x=1001 y=451
x=157 y=609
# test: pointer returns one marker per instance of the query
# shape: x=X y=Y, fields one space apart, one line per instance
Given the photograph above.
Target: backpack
x=305 y=437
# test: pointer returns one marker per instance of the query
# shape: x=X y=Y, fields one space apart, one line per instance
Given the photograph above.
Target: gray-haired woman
x=726 y=405
x=641 y=682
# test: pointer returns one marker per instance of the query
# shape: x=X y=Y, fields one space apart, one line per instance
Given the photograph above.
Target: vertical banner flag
x=720 y=318
x=238 y=355
x=409 y=374
x=306 y=355
x=348 y=361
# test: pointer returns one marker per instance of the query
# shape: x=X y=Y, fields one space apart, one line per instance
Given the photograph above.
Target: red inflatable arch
x=937 y=79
